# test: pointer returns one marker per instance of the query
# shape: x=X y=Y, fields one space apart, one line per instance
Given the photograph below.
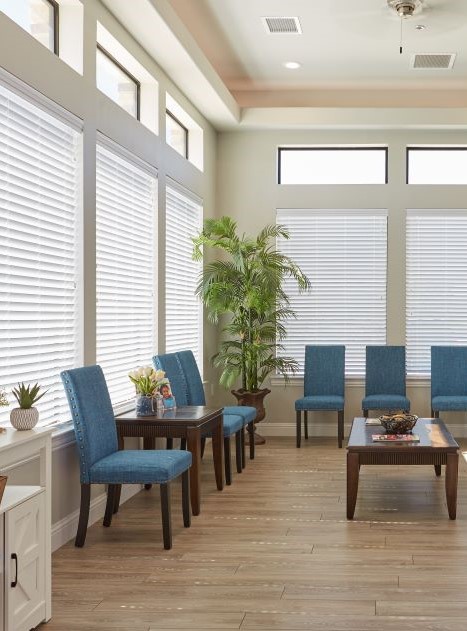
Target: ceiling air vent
x=433 y=61
x=281 y=25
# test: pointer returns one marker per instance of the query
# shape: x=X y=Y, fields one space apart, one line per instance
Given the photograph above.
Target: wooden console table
x=189 y=423
x=436 y=447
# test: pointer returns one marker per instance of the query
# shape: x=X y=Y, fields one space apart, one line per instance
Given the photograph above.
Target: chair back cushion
x=193 y=380
x=448 y=371
x=170 y=364
x=92 y=414
x=324 y=370
x=385 y=370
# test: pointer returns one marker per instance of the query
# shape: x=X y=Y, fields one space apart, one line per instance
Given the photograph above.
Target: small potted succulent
x=26 y=416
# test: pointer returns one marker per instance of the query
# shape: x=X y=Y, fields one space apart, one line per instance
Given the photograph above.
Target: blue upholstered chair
x=324 y=386
x=233 y=423
x=448 y=379
x=385 y=378
x=100 y=460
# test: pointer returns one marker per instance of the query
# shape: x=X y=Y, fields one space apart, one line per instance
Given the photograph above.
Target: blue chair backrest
x=92 y=414
x=170 y=364
x=324 y=370
x=385 y=370
x=448 y=371
x=193 y=380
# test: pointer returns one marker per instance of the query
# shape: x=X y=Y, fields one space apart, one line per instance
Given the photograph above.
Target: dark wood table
x=188 y=423
x=436 y=447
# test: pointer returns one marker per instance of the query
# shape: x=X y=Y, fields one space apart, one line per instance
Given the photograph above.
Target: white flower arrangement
x=147 y=380
x=3 y=399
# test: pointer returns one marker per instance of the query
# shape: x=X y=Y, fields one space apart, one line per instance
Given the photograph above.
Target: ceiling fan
x=406 y=8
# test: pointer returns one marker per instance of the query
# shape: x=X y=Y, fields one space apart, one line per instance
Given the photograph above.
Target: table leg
x=217 y=453
x=194 y=445
x=451 y=484
x=353 y=469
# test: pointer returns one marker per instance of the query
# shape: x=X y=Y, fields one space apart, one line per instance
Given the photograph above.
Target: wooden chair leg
x=186 y=498
x=228 y=471
x=183 y=444
x=299 y=428
x=109 y=508
x=118 y=492
x=238 y=450
x=251 y=432
x=306 y=424
x=203 y=446
x=243 y=448
x=166 y=517
x=365 y=413
x=170 y=443
x=436 y=414
x=340 y=427
x=437 y=470
x=83 y=515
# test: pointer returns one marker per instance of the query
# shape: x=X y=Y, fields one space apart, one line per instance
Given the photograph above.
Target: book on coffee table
x=372 y=421
x=396 y=438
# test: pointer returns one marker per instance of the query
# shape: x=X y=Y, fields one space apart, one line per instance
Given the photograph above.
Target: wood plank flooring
x=275 y=552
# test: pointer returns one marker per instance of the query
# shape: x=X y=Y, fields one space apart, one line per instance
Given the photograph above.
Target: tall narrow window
x=184 y=316
x=40 y=325
x=343 y=252
x=176 y=134
x=436 y=287
x=37 y=17
x=126 y=213
x=117 y=83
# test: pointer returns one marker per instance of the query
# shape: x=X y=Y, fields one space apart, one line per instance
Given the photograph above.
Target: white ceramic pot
x=24 y=419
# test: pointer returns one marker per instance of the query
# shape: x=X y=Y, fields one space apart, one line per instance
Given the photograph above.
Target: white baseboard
x=65 y=529
x=330 y=429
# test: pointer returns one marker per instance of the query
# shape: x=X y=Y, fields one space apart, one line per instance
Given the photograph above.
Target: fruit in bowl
x=399 y=423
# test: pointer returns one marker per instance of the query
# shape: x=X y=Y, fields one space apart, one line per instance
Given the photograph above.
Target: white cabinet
x=24 y=561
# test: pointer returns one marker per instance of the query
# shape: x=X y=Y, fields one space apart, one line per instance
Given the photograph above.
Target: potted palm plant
x=246 y=285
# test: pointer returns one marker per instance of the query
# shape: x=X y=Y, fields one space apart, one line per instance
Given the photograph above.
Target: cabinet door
x=25 y=566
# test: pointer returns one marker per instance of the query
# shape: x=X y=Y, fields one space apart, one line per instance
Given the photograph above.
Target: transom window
x=117 y=83
x=437 y=165
x=37 y=17
x=333 y=165
x=176 y=134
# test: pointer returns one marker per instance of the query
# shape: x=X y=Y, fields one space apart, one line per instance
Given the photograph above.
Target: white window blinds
x=343 y=252
x=40 y=167
x=436 y=300
x=184 y=317
x=125 y=260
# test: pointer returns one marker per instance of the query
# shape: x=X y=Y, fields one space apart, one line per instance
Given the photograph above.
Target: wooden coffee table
x=436 y=447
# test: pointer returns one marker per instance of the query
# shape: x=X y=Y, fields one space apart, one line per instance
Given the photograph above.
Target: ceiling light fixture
x=405 y=9
x=291 y=65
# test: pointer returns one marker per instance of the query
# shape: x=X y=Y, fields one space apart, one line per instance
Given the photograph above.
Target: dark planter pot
x=256 y=400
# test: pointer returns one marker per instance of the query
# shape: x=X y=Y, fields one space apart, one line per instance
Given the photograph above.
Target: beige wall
x=31 y=62
x=247 y=191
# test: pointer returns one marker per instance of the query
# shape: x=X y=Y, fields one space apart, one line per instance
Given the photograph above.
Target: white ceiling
x=349 y=51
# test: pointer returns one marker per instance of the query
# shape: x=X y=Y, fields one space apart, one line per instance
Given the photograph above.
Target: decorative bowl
x=400 y=423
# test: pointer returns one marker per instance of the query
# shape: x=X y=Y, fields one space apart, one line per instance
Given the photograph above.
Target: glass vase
x=145 y=406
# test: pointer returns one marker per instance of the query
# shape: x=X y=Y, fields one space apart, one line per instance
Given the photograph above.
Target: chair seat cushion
x=329 y=402
x=385 y=402
x=133 y=466
x=449 y=403
x=247 y=412
x=232 y=423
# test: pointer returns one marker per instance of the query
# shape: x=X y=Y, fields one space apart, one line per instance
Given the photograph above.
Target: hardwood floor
x=275 y=552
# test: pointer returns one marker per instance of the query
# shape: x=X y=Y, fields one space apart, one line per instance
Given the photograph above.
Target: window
x=333 y=165
x=436 y=301
x=37 y=17
x=184 y=315
x=436 y=165
x=40 y=324
x=343 y=252
x=117 y=83
x=176 y=134
x=125 y=260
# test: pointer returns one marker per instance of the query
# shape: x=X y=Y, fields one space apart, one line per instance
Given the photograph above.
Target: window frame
x=130 y=76
x=56 y=25
x=332 y=148
x=408 y=149
x=185 y=129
